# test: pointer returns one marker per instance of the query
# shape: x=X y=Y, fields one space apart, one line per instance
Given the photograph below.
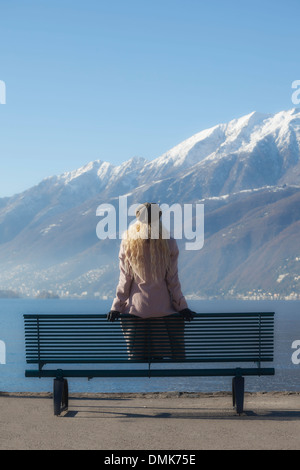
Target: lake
x=12 y=378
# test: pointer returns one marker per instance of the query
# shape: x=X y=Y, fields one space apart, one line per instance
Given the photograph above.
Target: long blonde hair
x=135 y=239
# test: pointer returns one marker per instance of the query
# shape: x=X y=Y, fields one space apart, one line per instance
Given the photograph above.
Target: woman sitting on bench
x=149 y=288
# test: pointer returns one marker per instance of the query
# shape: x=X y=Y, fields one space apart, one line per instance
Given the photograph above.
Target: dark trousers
x=154 y=338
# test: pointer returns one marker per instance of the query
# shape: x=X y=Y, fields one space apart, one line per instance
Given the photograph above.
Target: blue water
x=12 y=378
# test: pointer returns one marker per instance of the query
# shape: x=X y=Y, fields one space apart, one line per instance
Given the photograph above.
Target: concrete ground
x=152 y=421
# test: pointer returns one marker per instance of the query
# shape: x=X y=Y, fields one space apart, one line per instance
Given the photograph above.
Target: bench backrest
x=89 y=338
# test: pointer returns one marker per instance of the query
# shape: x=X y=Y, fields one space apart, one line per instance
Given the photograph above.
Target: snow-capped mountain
x=48 y=233
x=240 y=138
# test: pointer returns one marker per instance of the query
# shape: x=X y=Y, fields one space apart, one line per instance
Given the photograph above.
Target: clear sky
x=112 y=79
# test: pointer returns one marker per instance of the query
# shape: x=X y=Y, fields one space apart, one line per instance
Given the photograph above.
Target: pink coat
x=149 y=298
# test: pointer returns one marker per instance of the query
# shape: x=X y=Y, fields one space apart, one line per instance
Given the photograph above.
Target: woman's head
x=147 y=229
x=148 y=212
x=148 y=220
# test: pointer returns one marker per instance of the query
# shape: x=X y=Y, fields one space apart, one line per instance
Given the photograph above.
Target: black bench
x=210 y=340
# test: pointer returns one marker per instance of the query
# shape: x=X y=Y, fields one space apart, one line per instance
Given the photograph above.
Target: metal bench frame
x=83 y=339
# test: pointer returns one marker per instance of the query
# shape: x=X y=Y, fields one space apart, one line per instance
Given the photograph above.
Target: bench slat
x=154 y=372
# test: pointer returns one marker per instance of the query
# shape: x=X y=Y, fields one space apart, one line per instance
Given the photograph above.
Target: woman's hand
x=113 y=315
x=187 y=314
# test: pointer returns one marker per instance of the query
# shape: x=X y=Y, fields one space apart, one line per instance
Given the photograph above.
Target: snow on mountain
x=96 y=175
x=255 y=138
x=94 y=170
x=237 y=140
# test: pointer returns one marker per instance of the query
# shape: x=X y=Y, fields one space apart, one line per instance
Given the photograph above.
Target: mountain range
x=245 y=172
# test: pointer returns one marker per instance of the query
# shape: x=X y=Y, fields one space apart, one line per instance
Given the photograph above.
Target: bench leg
x=60 y=395
x=238 y=387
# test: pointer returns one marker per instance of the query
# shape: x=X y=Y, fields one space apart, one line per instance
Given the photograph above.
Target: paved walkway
x=165 y=421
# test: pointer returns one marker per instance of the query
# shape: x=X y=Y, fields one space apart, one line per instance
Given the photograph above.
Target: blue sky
x=108 y=80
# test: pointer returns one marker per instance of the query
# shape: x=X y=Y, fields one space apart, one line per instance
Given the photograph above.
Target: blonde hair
x=134 y=239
